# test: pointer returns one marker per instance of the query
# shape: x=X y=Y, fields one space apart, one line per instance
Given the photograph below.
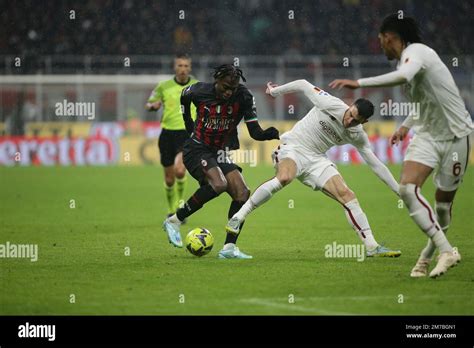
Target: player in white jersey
x=302 y=155
x=442 y=128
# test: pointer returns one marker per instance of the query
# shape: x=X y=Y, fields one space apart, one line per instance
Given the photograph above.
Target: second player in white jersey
x=442 y=125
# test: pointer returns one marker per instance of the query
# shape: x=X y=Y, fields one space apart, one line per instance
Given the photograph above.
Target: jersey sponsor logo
x=211 y=119
x=330 y=131
x=218 y=123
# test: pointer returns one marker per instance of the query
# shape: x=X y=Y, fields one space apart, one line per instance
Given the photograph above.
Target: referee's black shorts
x=170 y=144
x=199 y=158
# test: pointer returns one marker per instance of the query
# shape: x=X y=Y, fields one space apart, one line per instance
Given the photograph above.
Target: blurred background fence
x=120 y=86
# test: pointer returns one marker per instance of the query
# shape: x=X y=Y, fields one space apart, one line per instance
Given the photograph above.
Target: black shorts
x=170 y=144
x=199 y=158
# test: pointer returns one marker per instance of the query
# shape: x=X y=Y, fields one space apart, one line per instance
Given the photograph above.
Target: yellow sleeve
x=156 y=94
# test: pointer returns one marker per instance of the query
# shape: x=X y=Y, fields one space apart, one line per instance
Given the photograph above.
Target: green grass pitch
x=82 y=250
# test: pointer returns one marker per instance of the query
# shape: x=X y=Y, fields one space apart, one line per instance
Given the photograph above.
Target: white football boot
x=421 y=268
x=446 y=260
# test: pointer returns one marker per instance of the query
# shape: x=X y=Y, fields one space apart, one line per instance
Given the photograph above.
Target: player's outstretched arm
x=394 y=78
x=316 y=95
x=251 y=120
x=186 y=98
x=297 y=86
x=257 y=133
x=377 y=166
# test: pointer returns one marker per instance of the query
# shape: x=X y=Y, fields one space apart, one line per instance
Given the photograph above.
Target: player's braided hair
x=228 y=70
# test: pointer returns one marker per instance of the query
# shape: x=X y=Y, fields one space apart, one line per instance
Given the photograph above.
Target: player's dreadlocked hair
x=228 y=70
x=405 y=27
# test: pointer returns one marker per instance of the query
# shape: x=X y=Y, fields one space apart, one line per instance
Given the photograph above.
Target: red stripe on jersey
x=233 y=126
x=200 y=116
x=208 y=131
x=223 y=114
x=221 y=132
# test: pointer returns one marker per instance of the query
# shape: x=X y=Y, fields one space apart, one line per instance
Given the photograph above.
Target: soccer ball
x=199 y=241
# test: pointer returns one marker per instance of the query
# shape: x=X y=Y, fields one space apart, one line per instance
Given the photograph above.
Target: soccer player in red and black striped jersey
x=220 y=106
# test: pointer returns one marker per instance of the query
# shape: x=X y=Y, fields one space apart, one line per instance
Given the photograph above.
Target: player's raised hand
x=272 y=133
x=399 y=135
x=270 y=86
x=351 y=84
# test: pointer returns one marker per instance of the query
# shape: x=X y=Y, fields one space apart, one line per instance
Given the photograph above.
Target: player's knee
x=407 y=193
x=169 y=179
x=219 y=185
x=180 y=171
x=284 y=178
x=403 y=192
x=346 y=194
x=242 y=195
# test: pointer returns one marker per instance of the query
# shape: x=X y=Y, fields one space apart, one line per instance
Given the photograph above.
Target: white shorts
x=312 y=169
x=449 y=158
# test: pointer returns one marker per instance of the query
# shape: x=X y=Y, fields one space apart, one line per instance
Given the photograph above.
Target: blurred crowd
x=133 y=27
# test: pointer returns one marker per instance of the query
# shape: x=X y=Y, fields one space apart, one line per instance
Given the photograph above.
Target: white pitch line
x=277 y=302
x=291 y=306
x=381 y=297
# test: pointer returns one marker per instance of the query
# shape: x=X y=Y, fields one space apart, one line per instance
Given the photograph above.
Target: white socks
x=229 y=246
x=261 y=195
x=423 y=215
x=443 y=215
x=359 y=222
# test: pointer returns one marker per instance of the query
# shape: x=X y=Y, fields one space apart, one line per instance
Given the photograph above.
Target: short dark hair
x=228 y=70
x=405 y=27
x=365 y=107
x=182 y=56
